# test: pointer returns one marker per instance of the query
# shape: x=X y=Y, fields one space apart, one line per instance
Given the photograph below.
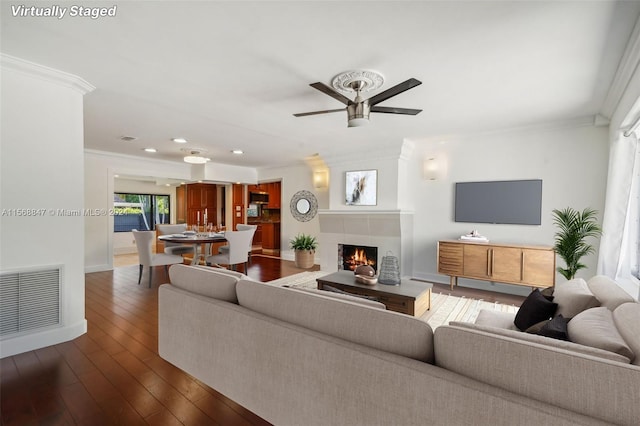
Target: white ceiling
x=229 y=75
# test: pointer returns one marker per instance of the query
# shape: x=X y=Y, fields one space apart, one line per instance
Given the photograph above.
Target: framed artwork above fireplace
x=361 y=188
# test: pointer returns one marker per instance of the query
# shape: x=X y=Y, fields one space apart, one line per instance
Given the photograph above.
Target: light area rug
x=445 y=308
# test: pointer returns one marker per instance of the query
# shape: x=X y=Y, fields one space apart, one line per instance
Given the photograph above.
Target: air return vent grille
x=29 y=300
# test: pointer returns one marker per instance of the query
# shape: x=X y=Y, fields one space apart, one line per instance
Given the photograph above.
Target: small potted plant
x=574 y=228
x=305 y=249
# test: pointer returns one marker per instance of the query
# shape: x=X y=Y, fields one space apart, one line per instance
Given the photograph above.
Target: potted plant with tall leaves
x=305 y=248
x=574 y=228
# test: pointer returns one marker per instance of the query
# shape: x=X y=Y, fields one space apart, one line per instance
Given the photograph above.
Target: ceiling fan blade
x=304 y=114
x=393 y=110
x=393 y=91
x=329 y=91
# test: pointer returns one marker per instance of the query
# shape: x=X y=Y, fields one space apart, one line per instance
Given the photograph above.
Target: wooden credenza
x=531 y=266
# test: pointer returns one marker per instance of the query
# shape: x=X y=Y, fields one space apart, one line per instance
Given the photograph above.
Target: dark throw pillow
x=556 y=328
x=547 y=293
x=535 y=328
x=534 y=309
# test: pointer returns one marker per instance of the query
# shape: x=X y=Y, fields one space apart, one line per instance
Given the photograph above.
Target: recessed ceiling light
x=128 y=138
x=167 y=184
x=238 y=151
x=179 y=140
x=151 y=150
x=116 y=175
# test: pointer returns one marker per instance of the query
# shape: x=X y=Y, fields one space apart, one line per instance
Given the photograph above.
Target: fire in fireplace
x=351 y=256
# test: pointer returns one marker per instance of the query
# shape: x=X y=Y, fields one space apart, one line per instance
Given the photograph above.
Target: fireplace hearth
x=350 y=256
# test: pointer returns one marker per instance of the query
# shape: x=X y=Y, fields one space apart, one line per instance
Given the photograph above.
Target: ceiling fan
x=360 y=81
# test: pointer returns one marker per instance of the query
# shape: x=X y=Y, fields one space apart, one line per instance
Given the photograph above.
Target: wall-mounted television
x=516 y=202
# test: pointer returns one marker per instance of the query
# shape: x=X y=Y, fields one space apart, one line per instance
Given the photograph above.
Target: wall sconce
x=321 y=179
x=431 y=169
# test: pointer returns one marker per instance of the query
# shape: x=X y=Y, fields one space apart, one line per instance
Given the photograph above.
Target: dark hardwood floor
x=113 y=375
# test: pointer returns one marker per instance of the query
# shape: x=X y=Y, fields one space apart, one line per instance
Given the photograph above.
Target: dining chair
x=146 y=257
x=242 y=227
x=175 y=248
x=238 y=243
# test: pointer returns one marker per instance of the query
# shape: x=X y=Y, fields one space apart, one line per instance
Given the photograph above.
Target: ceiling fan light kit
x=194 y=156
x=358 y=110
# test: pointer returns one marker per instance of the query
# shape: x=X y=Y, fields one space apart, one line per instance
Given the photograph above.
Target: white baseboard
x=41 y=339
x=98 y=268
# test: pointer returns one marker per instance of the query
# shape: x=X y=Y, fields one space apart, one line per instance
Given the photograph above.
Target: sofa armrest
x=597 y=387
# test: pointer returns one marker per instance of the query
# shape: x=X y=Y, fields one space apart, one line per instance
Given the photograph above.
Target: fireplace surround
x=388 y=230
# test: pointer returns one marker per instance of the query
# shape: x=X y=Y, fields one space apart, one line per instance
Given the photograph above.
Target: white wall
x=294 y=179
x=100 y=168
x=42 y=168
x=386 y=162
x=571 y=161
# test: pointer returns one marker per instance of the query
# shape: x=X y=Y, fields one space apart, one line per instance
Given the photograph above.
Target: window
x=139 y=211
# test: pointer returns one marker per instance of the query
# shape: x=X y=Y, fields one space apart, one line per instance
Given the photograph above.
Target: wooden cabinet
x=271 y=235
x=194 y=198
x=238 y=204
x=257 y=237
x=531 y=266
x=273 y=188
x=181 y=204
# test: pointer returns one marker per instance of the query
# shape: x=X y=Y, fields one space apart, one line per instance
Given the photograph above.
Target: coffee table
x=410 y=297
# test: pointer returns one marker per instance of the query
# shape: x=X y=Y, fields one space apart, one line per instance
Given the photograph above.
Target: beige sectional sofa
x=303 y=358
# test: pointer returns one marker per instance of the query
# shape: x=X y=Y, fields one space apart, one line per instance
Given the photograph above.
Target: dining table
x=206 y=238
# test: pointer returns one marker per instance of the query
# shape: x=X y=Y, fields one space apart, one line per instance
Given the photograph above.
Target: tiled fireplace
x=385 y=230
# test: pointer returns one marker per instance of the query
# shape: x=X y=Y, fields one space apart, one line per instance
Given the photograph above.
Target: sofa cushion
x=384 y=330
x=496 y=319
x=534 y=309
x=608 y=292
x=343 y=296
x=204 y=281
x=595 y=327
x=627 y=320
x=238 y=275
x=554 y=343
x=573 y=297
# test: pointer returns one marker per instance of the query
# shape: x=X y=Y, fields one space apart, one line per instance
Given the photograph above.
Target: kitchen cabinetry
x=194 y=198
x=181 y=204
x=271 y=235
x=239 y=209
x=273 y=188
x=532 y=266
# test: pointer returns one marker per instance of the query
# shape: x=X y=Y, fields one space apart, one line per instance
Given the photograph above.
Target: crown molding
x=627 y=67
x=45 y=73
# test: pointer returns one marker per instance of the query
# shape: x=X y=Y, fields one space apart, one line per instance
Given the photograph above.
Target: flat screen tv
x=506 y=202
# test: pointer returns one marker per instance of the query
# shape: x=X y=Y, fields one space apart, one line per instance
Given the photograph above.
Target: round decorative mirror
x=304 y=206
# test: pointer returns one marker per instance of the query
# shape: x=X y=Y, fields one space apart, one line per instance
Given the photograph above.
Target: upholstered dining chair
x=242 y=227
x=146 y=257
x=175 y=248
x=238 y=243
